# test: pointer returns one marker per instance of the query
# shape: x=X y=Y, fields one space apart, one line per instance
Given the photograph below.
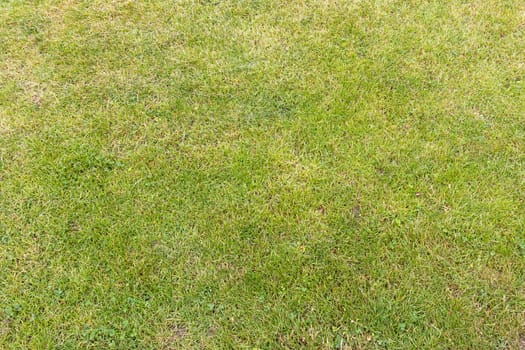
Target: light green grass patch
x=262 y=174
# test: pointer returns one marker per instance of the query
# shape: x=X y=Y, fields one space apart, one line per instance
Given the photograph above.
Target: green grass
x=318 y=174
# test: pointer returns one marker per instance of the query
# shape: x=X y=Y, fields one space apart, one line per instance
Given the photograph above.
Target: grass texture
x=262 y=174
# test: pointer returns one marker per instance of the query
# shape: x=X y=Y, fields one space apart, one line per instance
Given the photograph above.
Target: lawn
x=262 y=174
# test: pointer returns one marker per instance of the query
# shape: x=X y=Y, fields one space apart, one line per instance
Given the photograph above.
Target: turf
x=262 y=174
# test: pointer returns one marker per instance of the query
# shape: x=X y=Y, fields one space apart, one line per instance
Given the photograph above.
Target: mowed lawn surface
x=256 y=174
